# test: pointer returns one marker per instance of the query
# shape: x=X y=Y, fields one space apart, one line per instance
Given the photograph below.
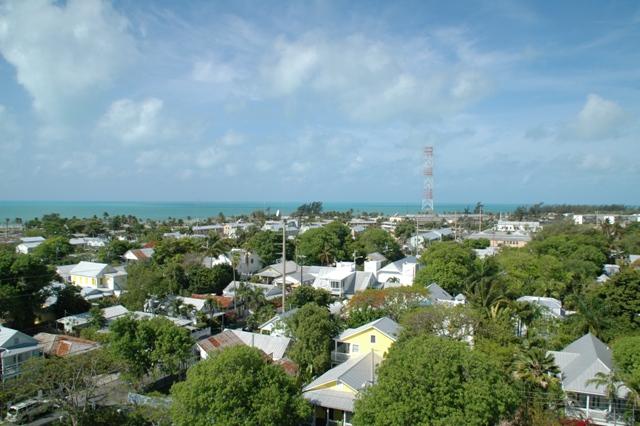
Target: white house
x=579 y=362
x=99 y=275
x=276 y=326
x=342 y=280
x=273 y=346
x=142 y=254
x=512 y=226
x=548 y=305
x=28 y=244
x=401 y=271
x=246 y=262
x=420 y=240
x=15 y=349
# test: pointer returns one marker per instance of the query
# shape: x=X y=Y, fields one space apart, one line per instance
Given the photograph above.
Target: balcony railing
x=339 y=356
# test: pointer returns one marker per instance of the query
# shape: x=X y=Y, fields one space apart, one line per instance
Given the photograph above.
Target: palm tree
x=535 y=369
x=325 y=255
x=612 y=384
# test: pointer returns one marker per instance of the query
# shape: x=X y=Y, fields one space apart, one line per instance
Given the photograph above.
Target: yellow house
x=98 y=275
x=358 y=352
x=376 y=336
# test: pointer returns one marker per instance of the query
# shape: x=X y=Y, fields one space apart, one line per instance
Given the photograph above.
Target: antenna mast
x=427 y=195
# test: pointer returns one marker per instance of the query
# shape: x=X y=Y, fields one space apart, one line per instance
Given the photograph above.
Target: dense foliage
x=436 y=381
x=237 y=386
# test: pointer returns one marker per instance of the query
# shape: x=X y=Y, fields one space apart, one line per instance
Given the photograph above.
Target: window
x=336 y=285
x=373 y=338
x=355 y=348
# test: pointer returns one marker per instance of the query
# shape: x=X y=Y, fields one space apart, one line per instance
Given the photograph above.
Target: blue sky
x=319 y=100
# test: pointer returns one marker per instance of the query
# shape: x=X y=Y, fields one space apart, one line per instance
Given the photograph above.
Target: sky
x=320 y=100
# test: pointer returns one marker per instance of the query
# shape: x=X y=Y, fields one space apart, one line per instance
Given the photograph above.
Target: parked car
x=28 y=410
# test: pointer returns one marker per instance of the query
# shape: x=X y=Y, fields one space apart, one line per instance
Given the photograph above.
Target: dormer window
x=336 y=285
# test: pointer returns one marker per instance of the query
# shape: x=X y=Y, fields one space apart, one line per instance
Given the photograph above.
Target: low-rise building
x=137 y=255
x=28 y=244
x=503 y=239
x=16 y=348
x=358 y=353
x=99 y=275
x=580 y=362
x=512 y=226
x=277 y=326
x=246 y=262
x=62 y=345
x=401 y=272
x=273 y=346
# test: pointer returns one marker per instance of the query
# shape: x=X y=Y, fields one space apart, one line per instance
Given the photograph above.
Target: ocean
x=201 y=210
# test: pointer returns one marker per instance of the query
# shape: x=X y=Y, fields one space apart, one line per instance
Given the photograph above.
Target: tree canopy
x=237 y=386
x=449 y=264
x=149 y=345
x=429 y=380
x=312 y=328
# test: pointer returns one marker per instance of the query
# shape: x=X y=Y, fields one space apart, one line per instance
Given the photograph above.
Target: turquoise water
x=201 y=210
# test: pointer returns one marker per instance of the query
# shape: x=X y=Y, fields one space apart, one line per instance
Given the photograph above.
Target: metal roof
x=90 y=269
x=438 y=293
x=397 y=265
x=385 y=325
x=581 y=361
x=357 y=373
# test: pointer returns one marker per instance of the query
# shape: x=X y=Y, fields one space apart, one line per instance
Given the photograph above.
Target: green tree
x=611 y=384
x=53 y=250
x=67 y=381
x=457 y=385
x=538 y=373
x=145 y=279
x=405 y=229
x=378 y=240
x=312 y=328
x=237 y=386
x=114 y=250
x=626 y=356
x=23 y=279
x=69 y=301
x=315 y=242
x=449 y=264
x=304 y=294
x=620 y=299
x=268 y=245
x=209 y=280
x=170 y=249
x=96 y=318
x=455 y=322
x=150 y=345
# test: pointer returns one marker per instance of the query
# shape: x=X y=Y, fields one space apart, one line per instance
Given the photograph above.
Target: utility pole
x=284 y=262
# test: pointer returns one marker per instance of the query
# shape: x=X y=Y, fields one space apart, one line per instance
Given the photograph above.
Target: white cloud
x=264 y=165
x=596 y=162
x=10 y=135
x=209 y=157
x=599 y=118
x=212 y=71
x=232 y=138
x=133 y=122
x=372 y=79
x=62 y=51
x=300 y=166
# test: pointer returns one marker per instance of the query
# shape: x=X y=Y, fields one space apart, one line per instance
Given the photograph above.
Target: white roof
x=397 y=265
x=275 y=346
x=32 y=239
x=196 y=303
x=90 y=269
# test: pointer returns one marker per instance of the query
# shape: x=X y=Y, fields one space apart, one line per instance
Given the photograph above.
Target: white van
x=27 y=410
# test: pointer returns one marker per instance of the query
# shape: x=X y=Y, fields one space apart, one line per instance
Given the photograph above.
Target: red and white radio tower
x=427 y=195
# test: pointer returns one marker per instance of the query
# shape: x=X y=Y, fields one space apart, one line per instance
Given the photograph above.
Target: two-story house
x=98 y=275
x=580 y=362
x=358 y=352
x=15 y=349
